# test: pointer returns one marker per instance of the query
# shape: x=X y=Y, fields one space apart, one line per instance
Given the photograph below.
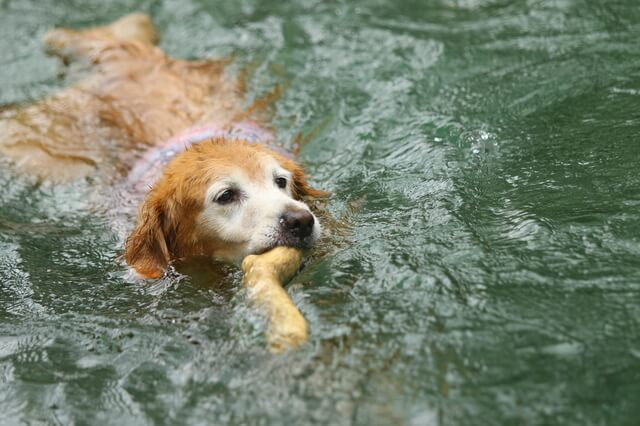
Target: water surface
x=484 y=153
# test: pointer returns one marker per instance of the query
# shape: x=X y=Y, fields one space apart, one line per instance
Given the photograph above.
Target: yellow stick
x=264 y=276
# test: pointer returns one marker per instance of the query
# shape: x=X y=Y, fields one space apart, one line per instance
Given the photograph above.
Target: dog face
x=225 y=199
x=253 y=209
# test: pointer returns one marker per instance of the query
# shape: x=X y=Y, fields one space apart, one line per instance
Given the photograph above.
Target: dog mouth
x=284 y=240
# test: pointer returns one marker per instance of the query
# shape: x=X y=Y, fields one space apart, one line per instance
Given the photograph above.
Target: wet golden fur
x=168 y=227
x=133 y=97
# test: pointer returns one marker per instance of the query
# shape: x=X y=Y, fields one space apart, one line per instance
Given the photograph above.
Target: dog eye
x=281 y=182
x=227 y=196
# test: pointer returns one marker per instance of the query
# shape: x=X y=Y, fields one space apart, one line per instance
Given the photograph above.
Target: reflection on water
x=485 y=155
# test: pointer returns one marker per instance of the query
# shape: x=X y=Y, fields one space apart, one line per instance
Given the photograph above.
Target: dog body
x=141 y=119
x=132 y=96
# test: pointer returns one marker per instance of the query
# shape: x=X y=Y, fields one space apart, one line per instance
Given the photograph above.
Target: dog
x=139 y=119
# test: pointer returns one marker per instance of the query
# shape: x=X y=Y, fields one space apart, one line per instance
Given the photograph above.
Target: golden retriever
x=141 y=119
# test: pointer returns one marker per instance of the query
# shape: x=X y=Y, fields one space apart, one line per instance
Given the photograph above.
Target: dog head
x=225 y=199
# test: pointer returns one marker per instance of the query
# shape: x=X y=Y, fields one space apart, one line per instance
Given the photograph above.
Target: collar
x=149 y=168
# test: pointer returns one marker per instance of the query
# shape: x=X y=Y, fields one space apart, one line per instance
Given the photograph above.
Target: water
x=485 y=157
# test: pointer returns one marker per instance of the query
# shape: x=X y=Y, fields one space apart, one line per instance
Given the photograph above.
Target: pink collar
x=148 y=169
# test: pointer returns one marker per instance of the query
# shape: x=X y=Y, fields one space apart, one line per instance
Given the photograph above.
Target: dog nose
x=298 y=222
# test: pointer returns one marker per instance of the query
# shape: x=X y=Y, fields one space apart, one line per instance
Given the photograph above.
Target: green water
x=486 y=156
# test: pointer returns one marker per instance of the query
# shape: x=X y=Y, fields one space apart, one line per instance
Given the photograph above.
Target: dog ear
x=147 y=248
x=301 y=188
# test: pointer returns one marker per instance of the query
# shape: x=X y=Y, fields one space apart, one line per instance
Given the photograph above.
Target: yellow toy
x=264 y=276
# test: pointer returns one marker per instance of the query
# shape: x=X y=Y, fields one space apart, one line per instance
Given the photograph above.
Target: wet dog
x=141 y=119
